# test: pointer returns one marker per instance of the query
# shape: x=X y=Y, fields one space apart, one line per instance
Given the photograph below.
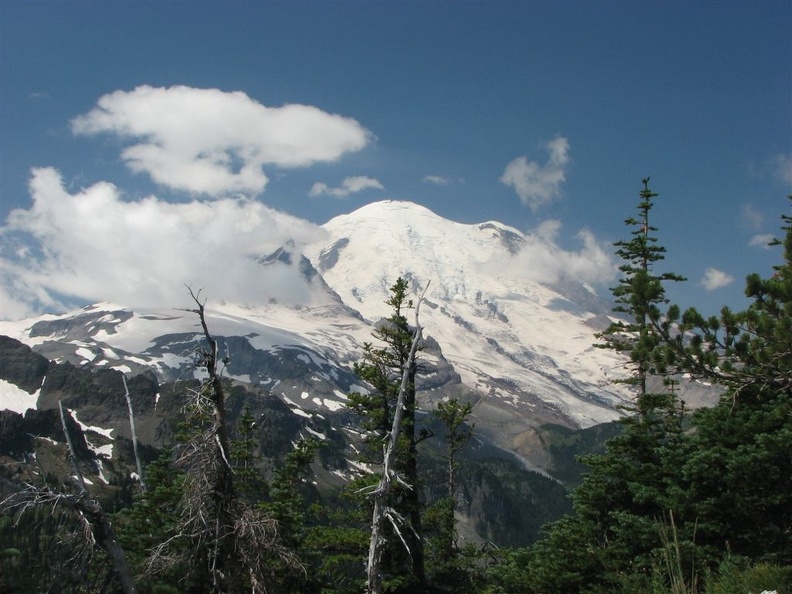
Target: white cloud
x=761 y=240
x=537 y=184
x=350 y=185
x=715 y=279
x=94 y=246
x=437 y=180
x=542 y=259
x=207 y=141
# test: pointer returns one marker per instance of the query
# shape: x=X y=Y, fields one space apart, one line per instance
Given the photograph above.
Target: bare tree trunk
x=217 y=394
x=219 y=479
x=134 y=435
x=382 y=511
x=412 y=497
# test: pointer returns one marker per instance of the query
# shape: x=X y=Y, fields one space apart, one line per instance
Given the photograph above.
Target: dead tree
x=232 y=539
x=134 y=435
x=383 y=513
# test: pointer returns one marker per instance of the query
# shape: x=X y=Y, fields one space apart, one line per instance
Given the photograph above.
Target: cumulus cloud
x=541 y=258
x=94 y=246
x=763 y=240
x=207 y=141
x=538 y=184
x=715 y=279
x=350 y=185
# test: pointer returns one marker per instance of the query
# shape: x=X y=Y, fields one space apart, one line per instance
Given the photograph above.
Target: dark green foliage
x=381 y=368
x=449 y=570
x=638 y=295
x=39 y=553
x=726 y=481
x=336 y=542
x=452 y=414
x=735 y=486
x=249 y=483
x=152 y=519
x=287 y=490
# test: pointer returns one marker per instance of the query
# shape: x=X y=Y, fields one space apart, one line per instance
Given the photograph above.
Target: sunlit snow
x=14 y=398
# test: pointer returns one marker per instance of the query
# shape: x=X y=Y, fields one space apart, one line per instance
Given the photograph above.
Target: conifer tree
x=224 y=542
x=614 y=529
x=638 y=297
x=243 y=457
x=452 y=414
x=736 y=481
x=449 y=568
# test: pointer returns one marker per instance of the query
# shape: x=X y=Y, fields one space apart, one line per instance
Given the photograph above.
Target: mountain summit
x=523 y=344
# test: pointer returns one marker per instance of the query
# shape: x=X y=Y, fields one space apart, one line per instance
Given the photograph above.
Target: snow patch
x=100 y=472
x=321 y=436
x=296 y=408
x=333 y=406
x=14 y=398
x=95 y=429
x=85 y=353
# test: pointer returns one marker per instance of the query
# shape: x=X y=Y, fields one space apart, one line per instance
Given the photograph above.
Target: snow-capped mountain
x=498 y=333
x=524 y=346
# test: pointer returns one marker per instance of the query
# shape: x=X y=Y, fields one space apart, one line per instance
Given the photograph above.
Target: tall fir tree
x=638 y=296
x=614 y=530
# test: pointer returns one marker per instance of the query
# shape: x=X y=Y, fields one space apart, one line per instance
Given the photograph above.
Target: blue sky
x=542 y=115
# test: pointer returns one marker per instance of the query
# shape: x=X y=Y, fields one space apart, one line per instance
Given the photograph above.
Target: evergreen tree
x=617 y=506
x=452 y=414
x=152 y=519
x=736 y=481
x=249 y=482
x=638 y=297
x=450 y=569
x=223 y=542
